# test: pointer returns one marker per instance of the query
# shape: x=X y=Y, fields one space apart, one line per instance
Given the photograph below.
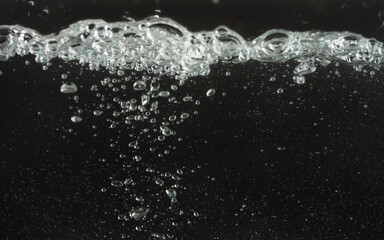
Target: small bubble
x=120 y=72
x=171 y=193
x=117 y=183
x=97 y=112
x=211 y=92
x=128 y=181
x=187 y=99
x=184 y=115
x=139 y=213
x=137 y=158
x=299 y=79
x=164 y=94
x=159 y=182
x=76 y=119
x=280 y=90
x=139 y=85
x=68 y=87
x=64 y=76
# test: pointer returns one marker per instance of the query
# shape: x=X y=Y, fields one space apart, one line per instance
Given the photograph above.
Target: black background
x=306 y=164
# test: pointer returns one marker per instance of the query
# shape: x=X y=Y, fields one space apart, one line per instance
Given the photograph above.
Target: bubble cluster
x=162 y=46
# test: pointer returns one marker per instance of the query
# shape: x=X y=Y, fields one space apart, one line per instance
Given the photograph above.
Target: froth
x=162 y=46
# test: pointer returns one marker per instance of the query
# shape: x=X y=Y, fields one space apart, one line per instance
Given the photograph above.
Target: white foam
x=162 y=46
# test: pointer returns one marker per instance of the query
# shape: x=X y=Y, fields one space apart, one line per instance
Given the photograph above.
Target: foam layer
x=162 y=46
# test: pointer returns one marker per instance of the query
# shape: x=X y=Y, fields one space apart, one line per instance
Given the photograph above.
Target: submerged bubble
x=68 y=87
x=299 y=79
x=211 y=92
x=76 y=119
x=184 y=115
x=64 y=76
x=139 y=85
x=171 y=193
x=97 y=112
x=117 y=183
x=187 y=98
x=139 y=213
x=164 y=94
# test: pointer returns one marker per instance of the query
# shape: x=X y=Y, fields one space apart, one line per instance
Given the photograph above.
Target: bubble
x=64 y=76
x=139 y=85
x=139 y=213
x=187 y=99
x=97 y=112
x=68 y=87
x=210 y=92
x=128 y=181
x=226 y=43
x=171 y=193
x=76 y=119
x=117 y=183
x=299 y=79
x=159 y=182
x=273 y=45
x=164 y=94
x=145 y=99
x=184 y=115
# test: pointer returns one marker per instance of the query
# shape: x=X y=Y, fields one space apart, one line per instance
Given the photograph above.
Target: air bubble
x=139 y=85
x=76 y=119
x=210 y=92
x=68 y=87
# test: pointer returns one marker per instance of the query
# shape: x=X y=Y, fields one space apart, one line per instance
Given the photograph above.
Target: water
x=149 y=63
